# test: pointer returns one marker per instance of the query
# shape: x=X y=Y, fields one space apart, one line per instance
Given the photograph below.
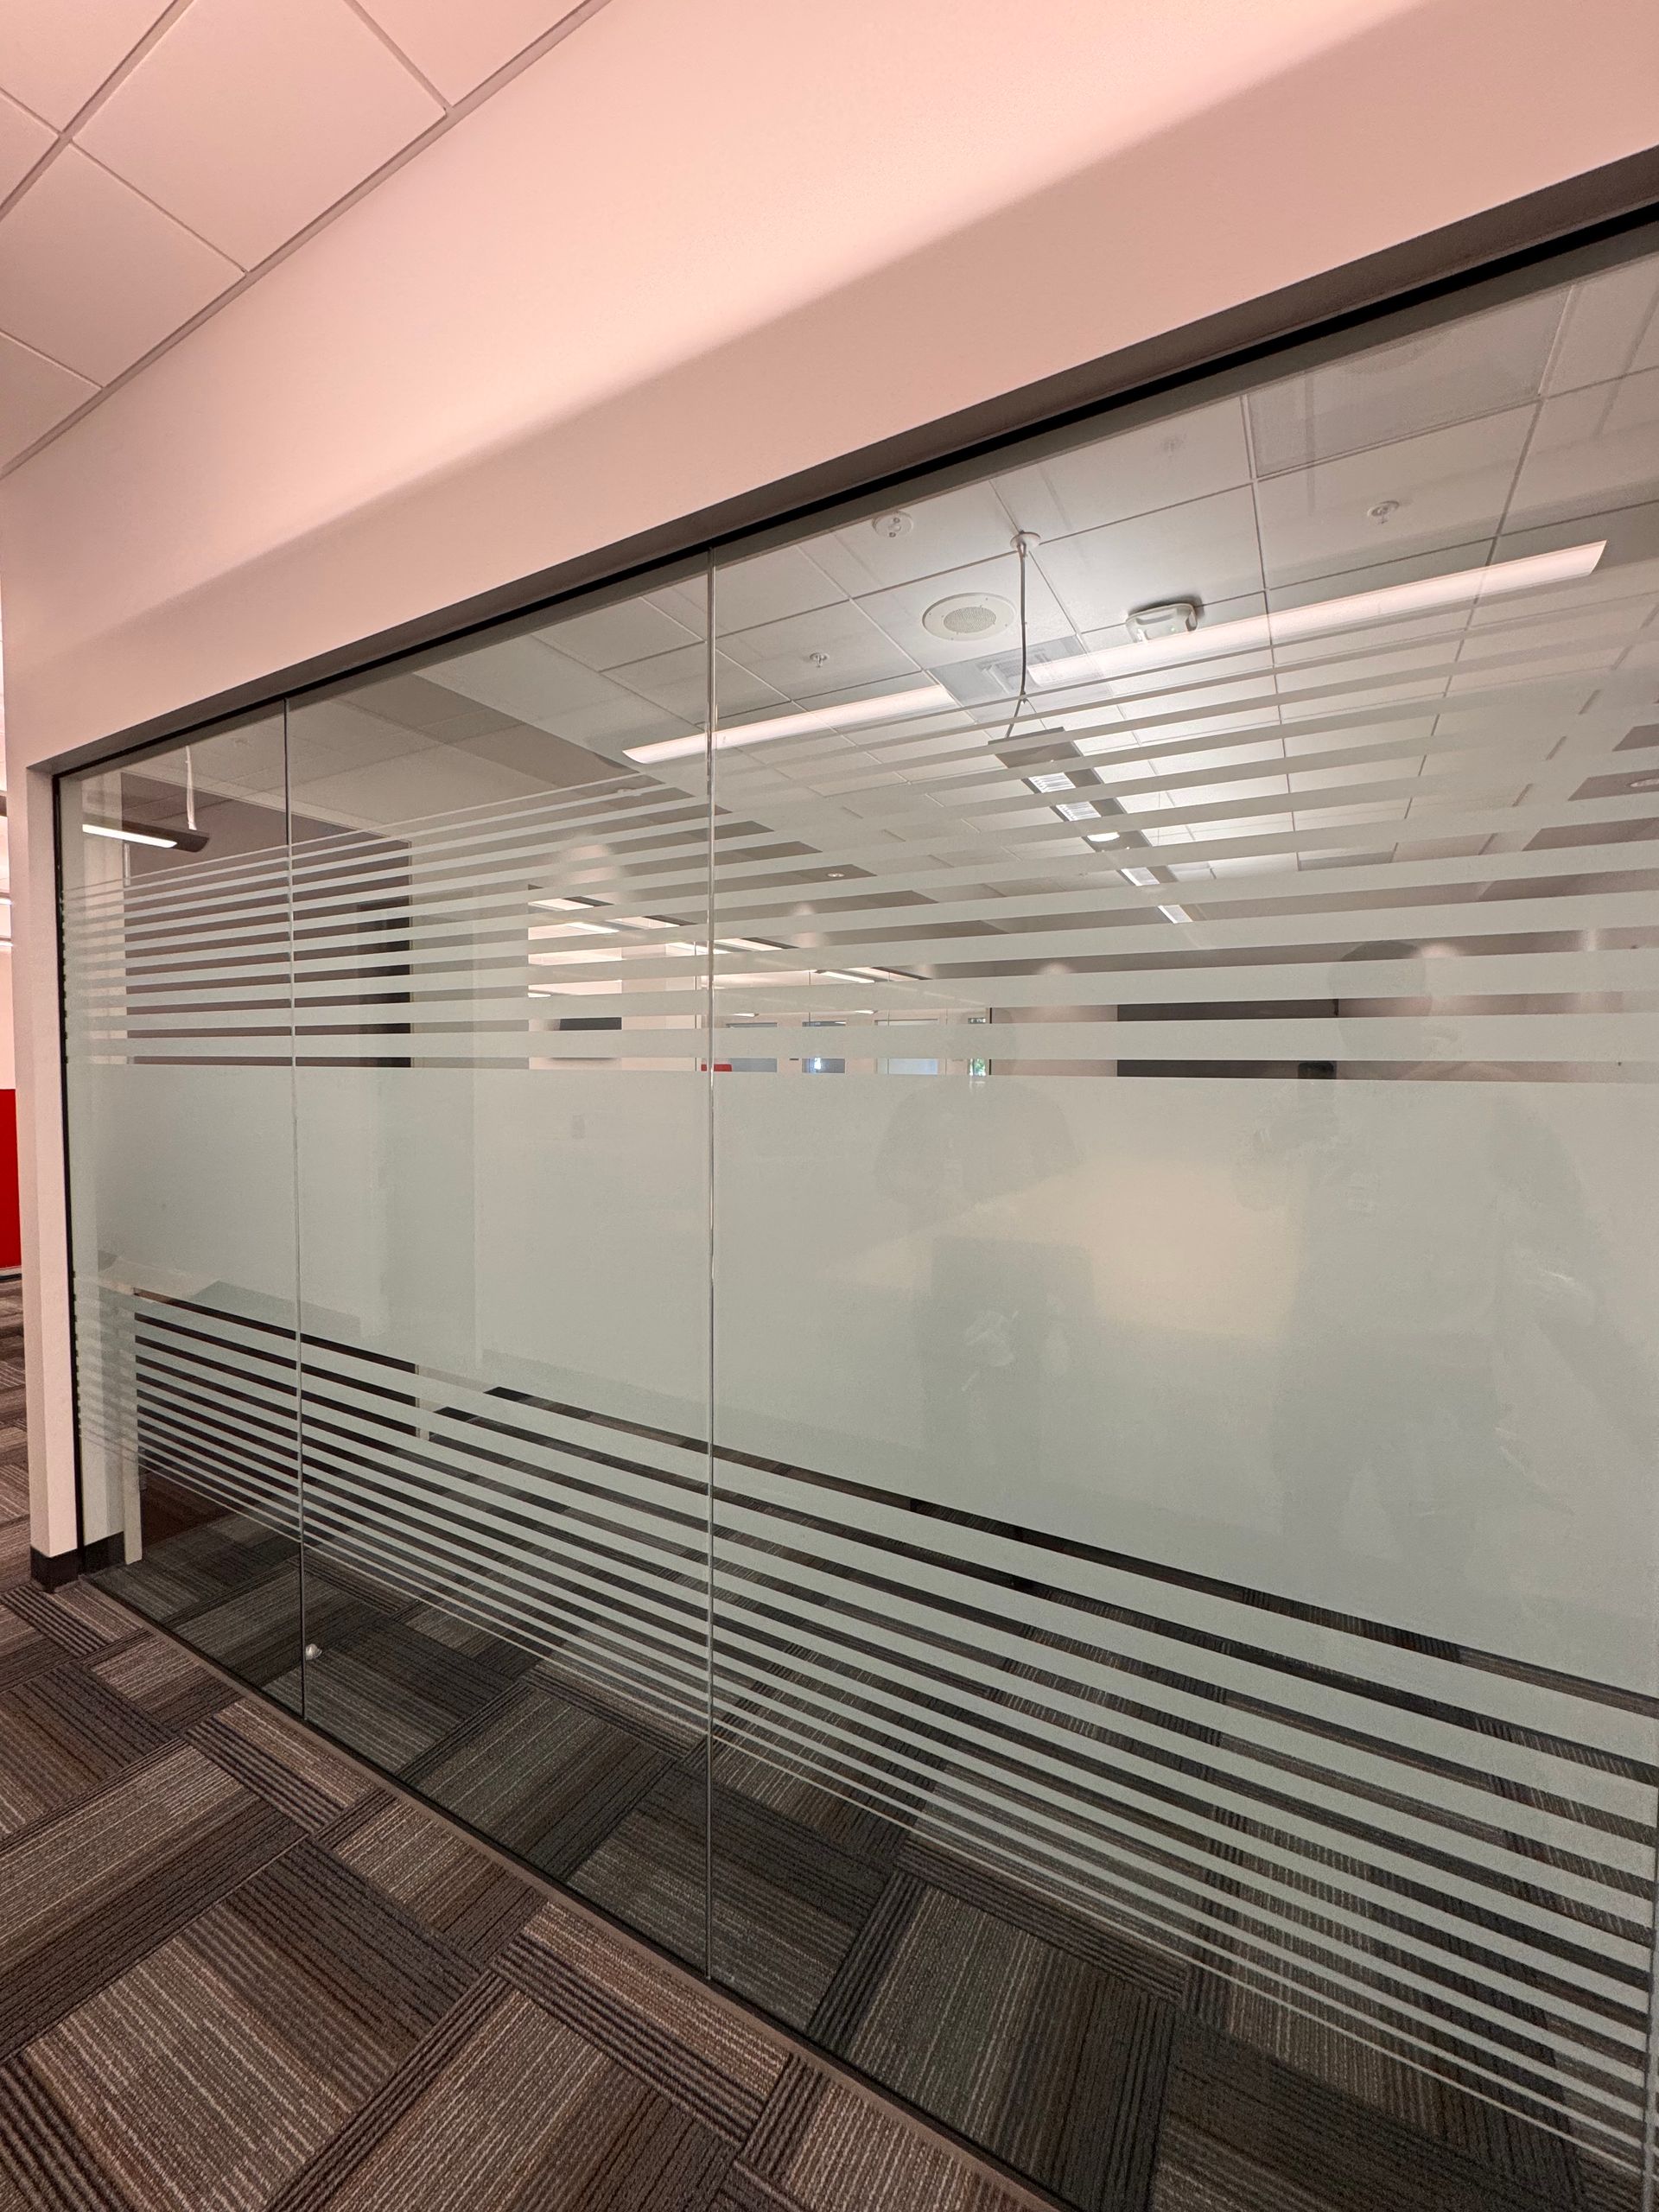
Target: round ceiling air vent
x=967 y=616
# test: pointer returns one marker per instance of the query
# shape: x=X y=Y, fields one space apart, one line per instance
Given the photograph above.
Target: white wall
x=692 y=251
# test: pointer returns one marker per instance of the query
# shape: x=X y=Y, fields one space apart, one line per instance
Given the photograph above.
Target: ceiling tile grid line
x=156 y=159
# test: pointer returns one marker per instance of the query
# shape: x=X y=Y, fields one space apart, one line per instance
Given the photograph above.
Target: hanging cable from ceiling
x=1026 y=542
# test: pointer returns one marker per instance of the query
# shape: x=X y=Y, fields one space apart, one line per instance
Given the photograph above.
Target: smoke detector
x=1165 y=618
x=967 y=616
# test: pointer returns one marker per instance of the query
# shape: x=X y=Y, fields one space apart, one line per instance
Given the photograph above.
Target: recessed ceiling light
x=968 y=615
x=1058 y=780
x=1076 y=809
x=1142 y=878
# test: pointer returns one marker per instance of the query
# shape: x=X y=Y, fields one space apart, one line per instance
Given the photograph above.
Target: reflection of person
x=1428 y=1240
x=998 y=1317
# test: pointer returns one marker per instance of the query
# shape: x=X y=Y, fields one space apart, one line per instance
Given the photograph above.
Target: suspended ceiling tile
x=287 y=108
x=24 y=139
x=900 y=610
x=35 y=393
x=55 y=54
x=1476 y=366
x=938 y=534
x=678 y=680
x=849 y=647
x=1205 y=549
x=1594 y=448
x=1155 y=464
x=1609 y=320
x=458 y=43
x=764 y=589
x=93 y=275
x=1416 y=496
x=633 y=631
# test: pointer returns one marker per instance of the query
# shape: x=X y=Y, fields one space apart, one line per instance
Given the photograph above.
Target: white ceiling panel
x=1157 y=465
x=92 y=275
x=1472 y=367
x=849 y=647
x=156 y=151
x=947 y=532
x=1595 y=447
x=55 y=54
x=24 y=139
x=1611 y=326
x=529 y=680
x=290 y=108
x=35 y=393
x=634 y=630
x=899 y=611
x=764 y=589
x=1415 y=496
x=1204 y=549
x=457 y=44
x=679 y=681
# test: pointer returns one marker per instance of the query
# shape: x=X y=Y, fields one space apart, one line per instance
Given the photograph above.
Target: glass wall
x=927 y=1253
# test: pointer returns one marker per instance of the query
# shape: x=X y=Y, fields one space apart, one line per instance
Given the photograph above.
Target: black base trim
x=51 y=1570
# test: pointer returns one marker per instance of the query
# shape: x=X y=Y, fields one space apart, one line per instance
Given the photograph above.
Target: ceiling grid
x=156 y=159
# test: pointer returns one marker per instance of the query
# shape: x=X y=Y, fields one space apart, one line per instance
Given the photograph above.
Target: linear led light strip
x=1466 y=586
x=126 y=837
x=889 y=706
x=1289 y=625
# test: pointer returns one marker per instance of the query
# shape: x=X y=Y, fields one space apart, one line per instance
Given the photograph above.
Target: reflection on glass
x=1104 y=1571
x=1182 y=1415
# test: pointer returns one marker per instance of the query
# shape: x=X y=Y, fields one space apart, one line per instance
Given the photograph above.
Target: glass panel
x=1185 y=1160
x=502 y=1094
x=175 y=973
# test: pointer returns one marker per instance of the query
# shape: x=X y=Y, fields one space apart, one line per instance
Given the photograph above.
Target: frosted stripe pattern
x=1445 y=1853
x=998 y=1164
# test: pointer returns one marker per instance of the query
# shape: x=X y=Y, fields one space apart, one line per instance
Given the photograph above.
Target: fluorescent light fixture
x=1288 y=625
x=574 y=929
x=1057 y=781
x=1076 y=809
x=1142 y=878
x=1175 y=913
x=1101 y=837
x=126 y=836
x=888 y=706
x=644 y=922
